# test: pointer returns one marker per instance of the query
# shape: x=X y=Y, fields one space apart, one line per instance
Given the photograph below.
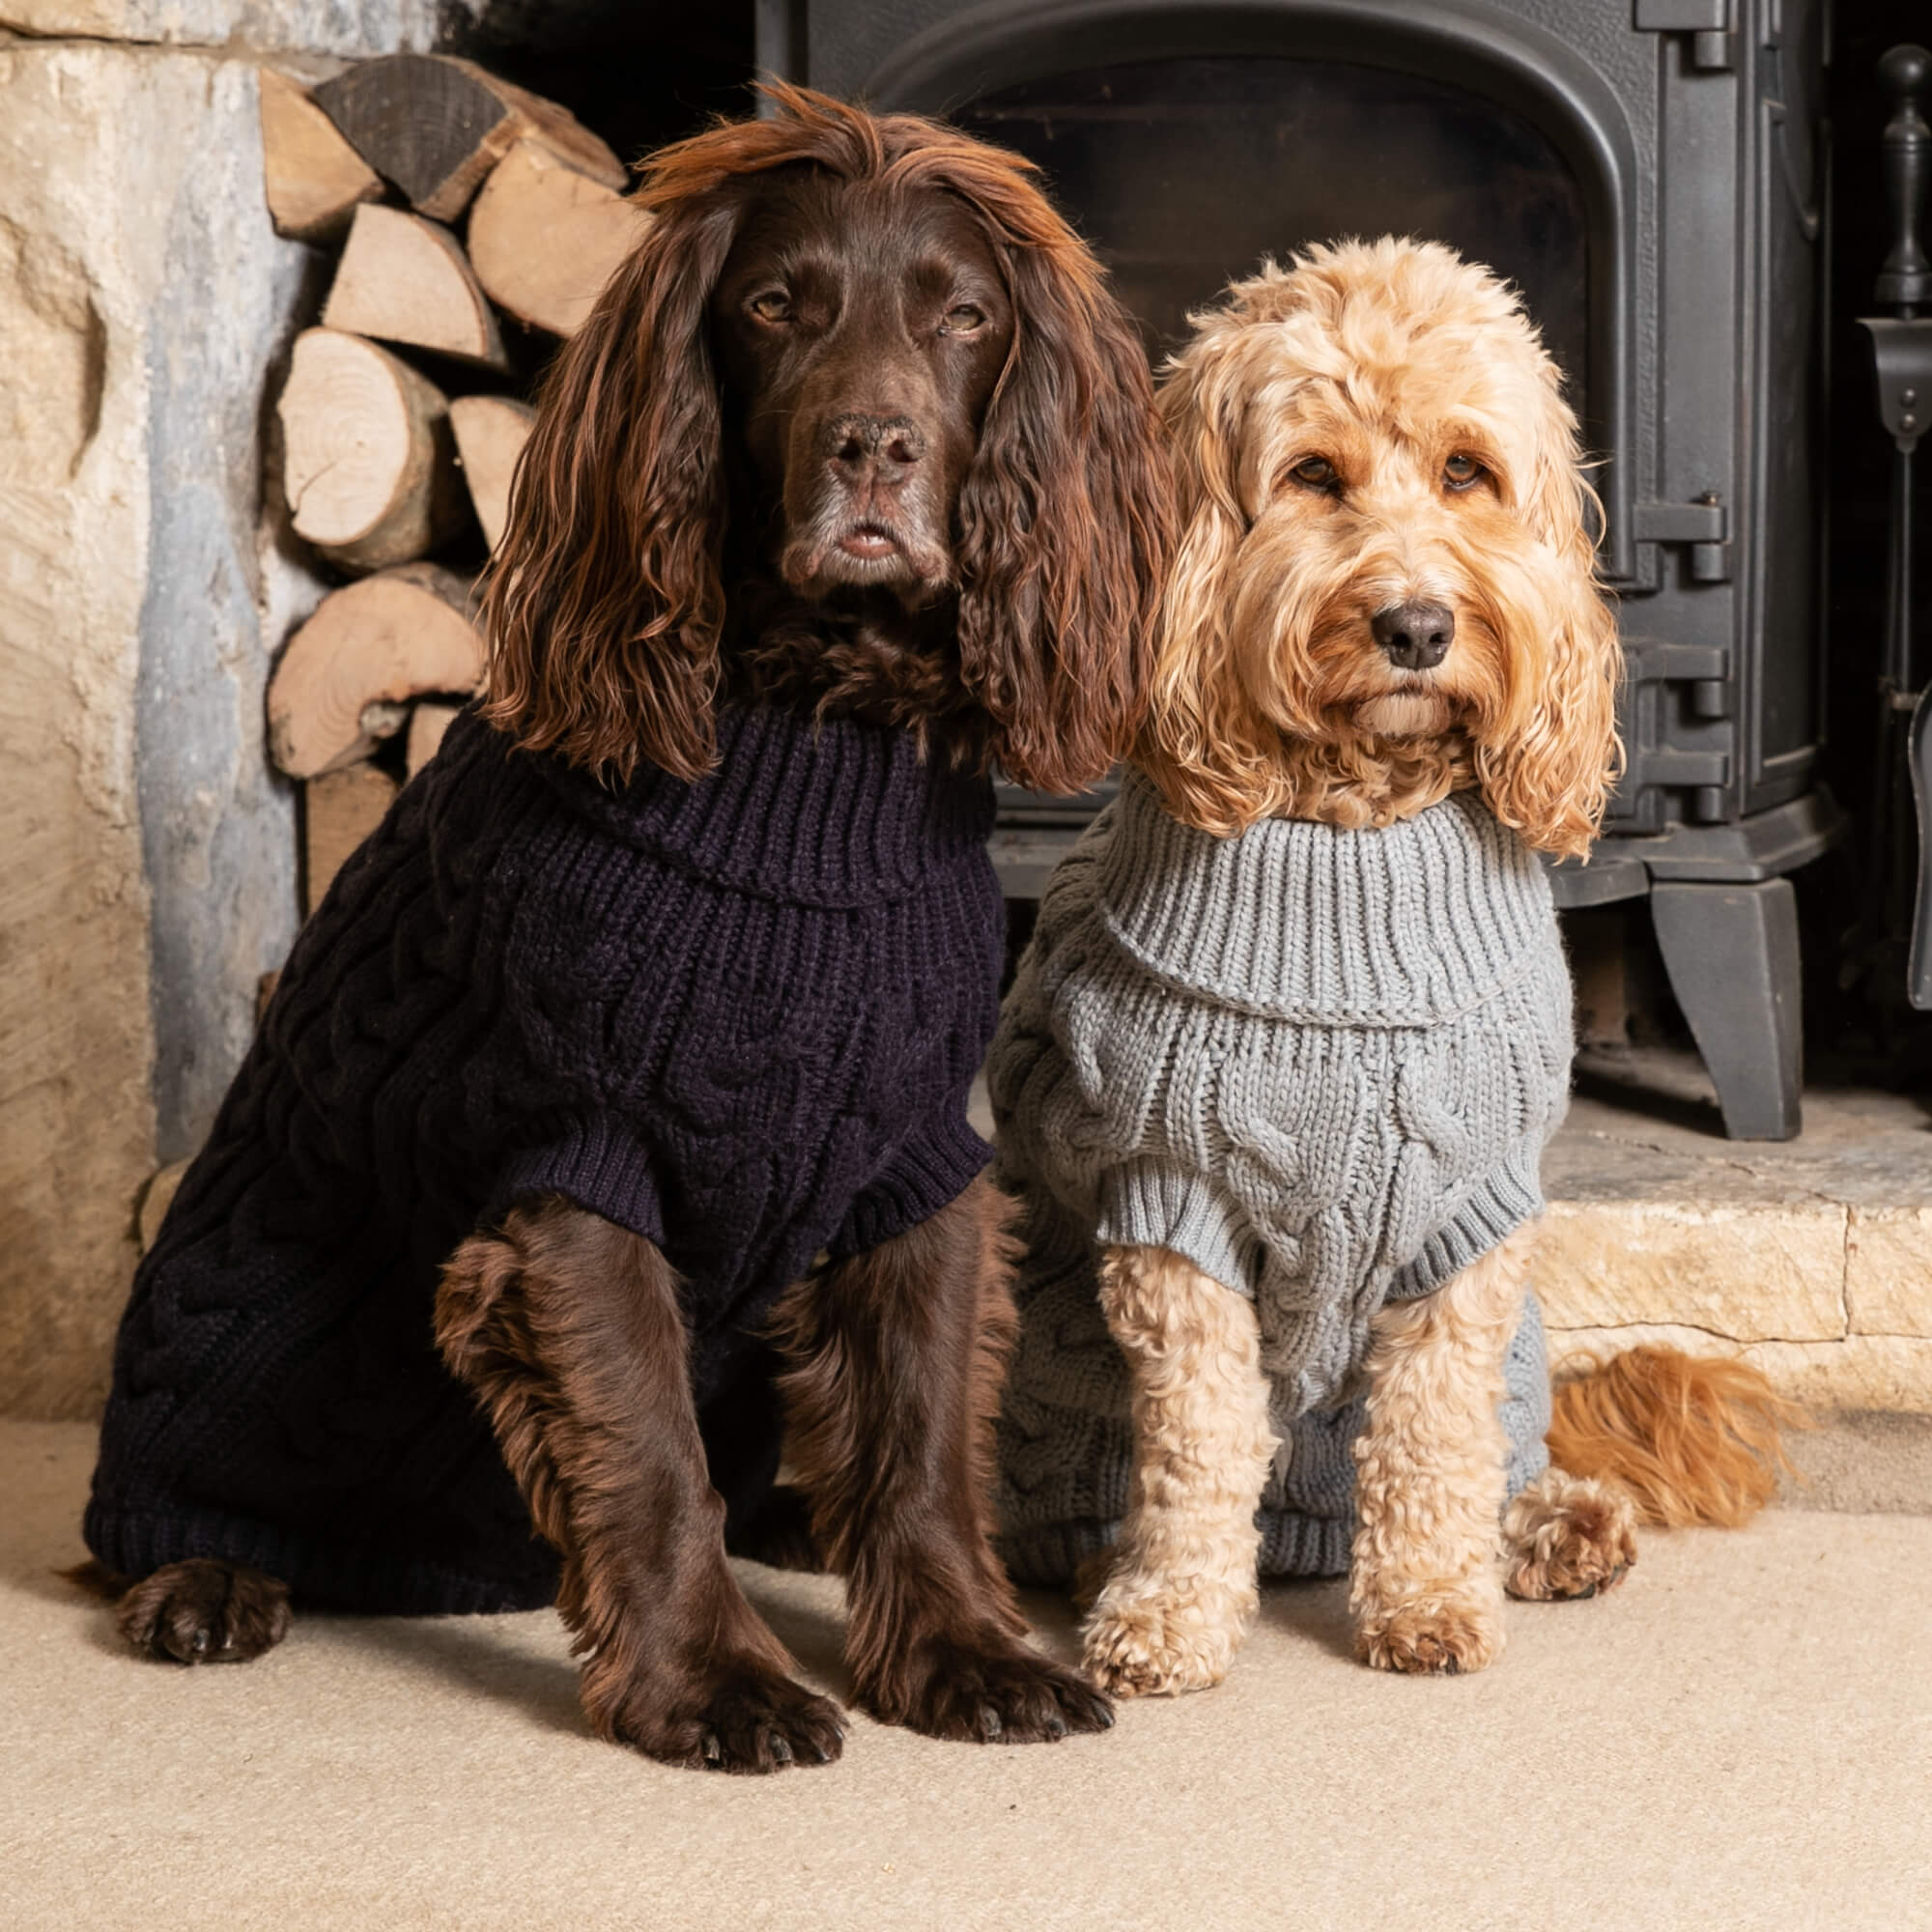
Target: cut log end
x=156 y=1198
x=404 y=279
x=490 y=435
x=436 y=126
x=404 y=634
x=340 y=810
x=544 y=239
x=428 y=722
x=314 y=180
x=369 y=457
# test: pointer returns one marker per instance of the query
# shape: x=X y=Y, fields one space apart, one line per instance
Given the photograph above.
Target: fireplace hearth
x=1651 y=174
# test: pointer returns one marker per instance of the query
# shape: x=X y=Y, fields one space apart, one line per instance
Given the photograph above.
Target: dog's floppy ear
x=1202 y=744
x=1064 y=520
x=1548 y=770
x=604 y=600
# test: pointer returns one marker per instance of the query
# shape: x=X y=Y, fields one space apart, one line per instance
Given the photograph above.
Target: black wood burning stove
x=1649 y=173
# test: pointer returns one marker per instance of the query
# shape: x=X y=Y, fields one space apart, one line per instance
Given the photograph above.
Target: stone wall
x=146 y=855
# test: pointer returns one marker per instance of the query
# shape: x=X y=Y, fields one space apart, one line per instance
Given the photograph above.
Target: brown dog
x=851 y=480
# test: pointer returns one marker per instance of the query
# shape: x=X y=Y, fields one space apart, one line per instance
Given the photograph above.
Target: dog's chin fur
x=1358 y=779
x=1404 y=714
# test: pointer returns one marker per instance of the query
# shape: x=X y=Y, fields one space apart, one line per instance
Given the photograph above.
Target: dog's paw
x=1568 y=1536
x=203 y=1611
x=744 y=1720
x=1159 y=1645
x=1440 y=1635
x=990 y=1696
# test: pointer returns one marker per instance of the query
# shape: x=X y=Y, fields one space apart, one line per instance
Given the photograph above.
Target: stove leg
x=1732 y=955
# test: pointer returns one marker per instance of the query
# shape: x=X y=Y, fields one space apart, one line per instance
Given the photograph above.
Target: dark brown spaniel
x=858 y=425
x=632 y=1053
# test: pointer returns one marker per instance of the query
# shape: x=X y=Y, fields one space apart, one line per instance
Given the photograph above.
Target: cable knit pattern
x=739 y=1017
x=1321 y=1065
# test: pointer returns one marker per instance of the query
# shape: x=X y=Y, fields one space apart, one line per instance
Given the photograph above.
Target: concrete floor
x=1740 y=1738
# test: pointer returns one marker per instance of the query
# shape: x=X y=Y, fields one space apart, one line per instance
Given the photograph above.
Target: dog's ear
x=1065 y=520
x=1203 y=745
x=604 y=600
x=1548 y=768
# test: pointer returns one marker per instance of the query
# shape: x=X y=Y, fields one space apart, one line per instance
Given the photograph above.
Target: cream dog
x=1294 y=1025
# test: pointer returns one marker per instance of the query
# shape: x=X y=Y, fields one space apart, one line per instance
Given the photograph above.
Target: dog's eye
x=1317 y=472
x=962 y=320
x=774 y=305
x=1461 y=471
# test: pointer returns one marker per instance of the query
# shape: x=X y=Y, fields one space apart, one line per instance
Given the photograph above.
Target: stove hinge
x=1708 y=23
x=1704 y=527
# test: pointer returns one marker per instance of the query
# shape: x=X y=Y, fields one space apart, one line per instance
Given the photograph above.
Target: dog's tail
x=1692 y=1439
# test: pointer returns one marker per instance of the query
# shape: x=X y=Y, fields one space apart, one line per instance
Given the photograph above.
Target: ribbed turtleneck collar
x=833 y=813
x=1409 y=925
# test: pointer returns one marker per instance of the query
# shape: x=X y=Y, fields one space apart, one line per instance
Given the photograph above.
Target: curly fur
x=1424 y=1590
x=1568 y=1536
x=1448 y=472
x=1271 y=698
x=1182 y=1594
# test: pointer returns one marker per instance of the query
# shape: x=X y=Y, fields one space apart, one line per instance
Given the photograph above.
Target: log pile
x=474 y=224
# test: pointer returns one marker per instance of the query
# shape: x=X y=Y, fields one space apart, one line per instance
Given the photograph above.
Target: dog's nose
x=1416 y=635
x=860 y=448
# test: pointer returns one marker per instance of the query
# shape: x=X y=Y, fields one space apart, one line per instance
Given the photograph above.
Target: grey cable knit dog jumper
x=1321 y=1065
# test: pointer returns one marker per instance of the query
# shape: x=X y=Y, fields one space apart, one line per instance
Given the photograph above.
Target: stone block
x=1751 y=1275
x=1856 y=1372
x=355 y=28
x=1888 y=1271
x=147 y=872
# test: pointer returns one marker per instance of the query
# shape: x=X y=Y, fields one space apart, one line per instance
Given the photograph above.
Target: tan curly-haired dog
x=1386 y=593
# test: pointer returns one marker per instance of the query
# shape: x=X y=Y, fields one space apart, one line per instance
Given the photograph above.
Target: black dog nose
x=860 y=447
x=1416 y=635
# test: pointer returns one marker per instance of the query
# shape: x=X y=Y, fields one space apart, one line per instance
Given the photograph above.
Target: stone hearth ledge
x=1813 y=1257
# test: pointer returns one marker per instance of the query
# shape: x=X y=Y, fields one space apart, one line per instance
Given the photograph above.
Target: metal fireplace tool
x=1902 y=355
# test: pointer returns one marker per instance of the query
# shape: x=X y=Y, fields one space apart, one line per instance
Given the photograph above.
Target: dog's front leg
x=1425 y=1591
x=568 y=1330
x=896 y=1358
x=1182 y=1592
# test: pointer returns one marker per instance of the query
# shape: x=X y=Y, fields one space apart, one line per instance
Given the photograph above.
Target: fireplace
x=1650 y=174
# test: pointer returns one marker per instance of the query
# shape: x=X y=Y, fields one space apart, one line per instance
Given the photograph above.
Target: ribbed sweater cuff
x=926 y=1174
x=599 y=1163
x=1510 y=1197
x=1041 y=1555
x=329 y=1574
x=1150 y=1207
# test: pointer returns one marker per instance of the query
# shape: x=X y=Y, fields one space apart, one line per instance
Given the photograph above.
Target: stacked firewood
x=404 y=410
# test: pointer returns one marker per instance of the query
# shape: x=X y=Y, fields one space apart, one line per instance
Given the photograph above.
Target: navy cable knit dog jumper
x=739 y=1017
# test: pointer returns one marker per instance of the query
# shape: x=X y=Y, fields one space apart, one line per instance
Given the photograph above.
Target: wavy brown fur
x=568 y=1331
x=890 y=1392
x=1693 y=1438
x=605 y=602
